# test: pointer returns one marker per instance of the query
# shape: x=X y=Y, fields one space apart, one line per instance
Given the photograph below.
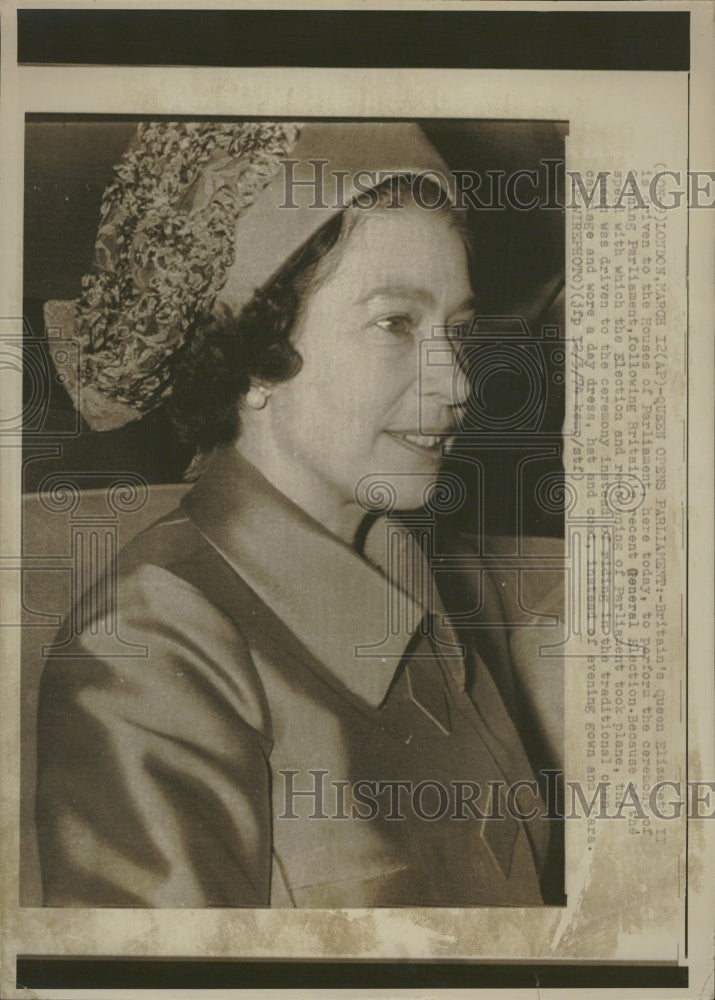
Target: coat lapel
x=334 y=601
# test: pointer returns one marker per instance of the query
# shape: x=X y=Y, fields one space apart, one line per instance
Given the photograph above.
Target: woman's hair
x=224 y=353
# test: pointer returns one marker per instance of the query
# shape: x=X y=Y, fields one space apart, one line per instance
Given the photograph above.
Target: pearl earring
x=257 y=397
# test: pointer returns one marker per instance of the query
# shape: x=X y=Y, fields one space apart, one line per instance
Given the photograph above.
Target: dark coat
x=266 y=666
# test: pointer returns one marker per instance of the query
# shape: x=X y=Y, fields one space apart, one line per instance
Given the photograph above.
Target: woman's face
x=370 y=399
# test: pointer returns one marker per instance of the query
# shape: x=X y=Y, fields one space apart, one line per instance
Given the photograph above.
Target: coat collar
x=331 y=599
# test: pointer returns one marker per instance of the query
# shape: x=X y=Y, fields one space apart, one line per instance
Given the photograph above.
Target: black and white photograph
x=356 y=455
x=309 y=680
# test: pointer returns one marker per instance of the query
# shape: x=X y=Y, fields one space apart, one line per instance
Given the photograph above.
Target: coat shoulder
x=172 y=542
x=157 y=624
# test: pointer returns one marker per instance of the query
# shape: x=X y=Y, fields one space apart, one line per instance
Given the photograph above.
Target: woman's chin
x=396 y=491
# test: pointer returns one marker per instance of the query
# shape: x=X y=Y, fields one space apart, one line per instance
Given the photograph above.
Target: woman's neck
x=342 y=518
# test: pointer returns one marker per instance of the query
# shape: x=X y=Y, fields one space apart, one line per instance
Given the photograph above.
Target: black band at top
x=470 y=39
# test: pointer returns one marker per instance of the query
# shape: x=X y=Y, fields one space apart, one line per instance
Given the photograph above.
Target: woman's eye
x=461 y=331
x=399 y=326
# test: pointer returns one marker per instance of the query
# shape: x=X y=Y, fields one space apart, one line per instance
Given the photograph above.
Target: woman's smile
x=431 y=445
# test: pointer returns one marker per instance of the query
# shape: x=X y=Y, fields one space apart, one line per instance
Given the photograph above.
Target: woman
x=306 y=729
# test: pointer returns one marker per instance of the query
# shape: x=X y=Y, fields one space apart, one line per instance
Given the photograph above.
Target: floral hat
x=199 y=212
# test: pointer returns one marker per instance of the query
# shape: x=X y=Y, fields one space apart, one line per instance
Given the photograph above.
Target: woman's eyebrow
x=468 y=306
x=399 y=291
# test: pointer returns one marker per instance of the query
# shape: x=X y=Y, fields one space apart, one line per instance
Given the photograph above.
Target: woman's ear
x=257 y=397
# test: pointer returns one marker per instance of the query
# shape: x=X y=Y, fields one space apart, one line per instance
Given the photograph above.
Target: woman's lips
x=424 y=444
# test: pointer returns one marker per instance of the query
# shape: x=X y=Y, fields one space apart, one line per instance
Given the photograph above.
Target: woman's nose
x=441 y=373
